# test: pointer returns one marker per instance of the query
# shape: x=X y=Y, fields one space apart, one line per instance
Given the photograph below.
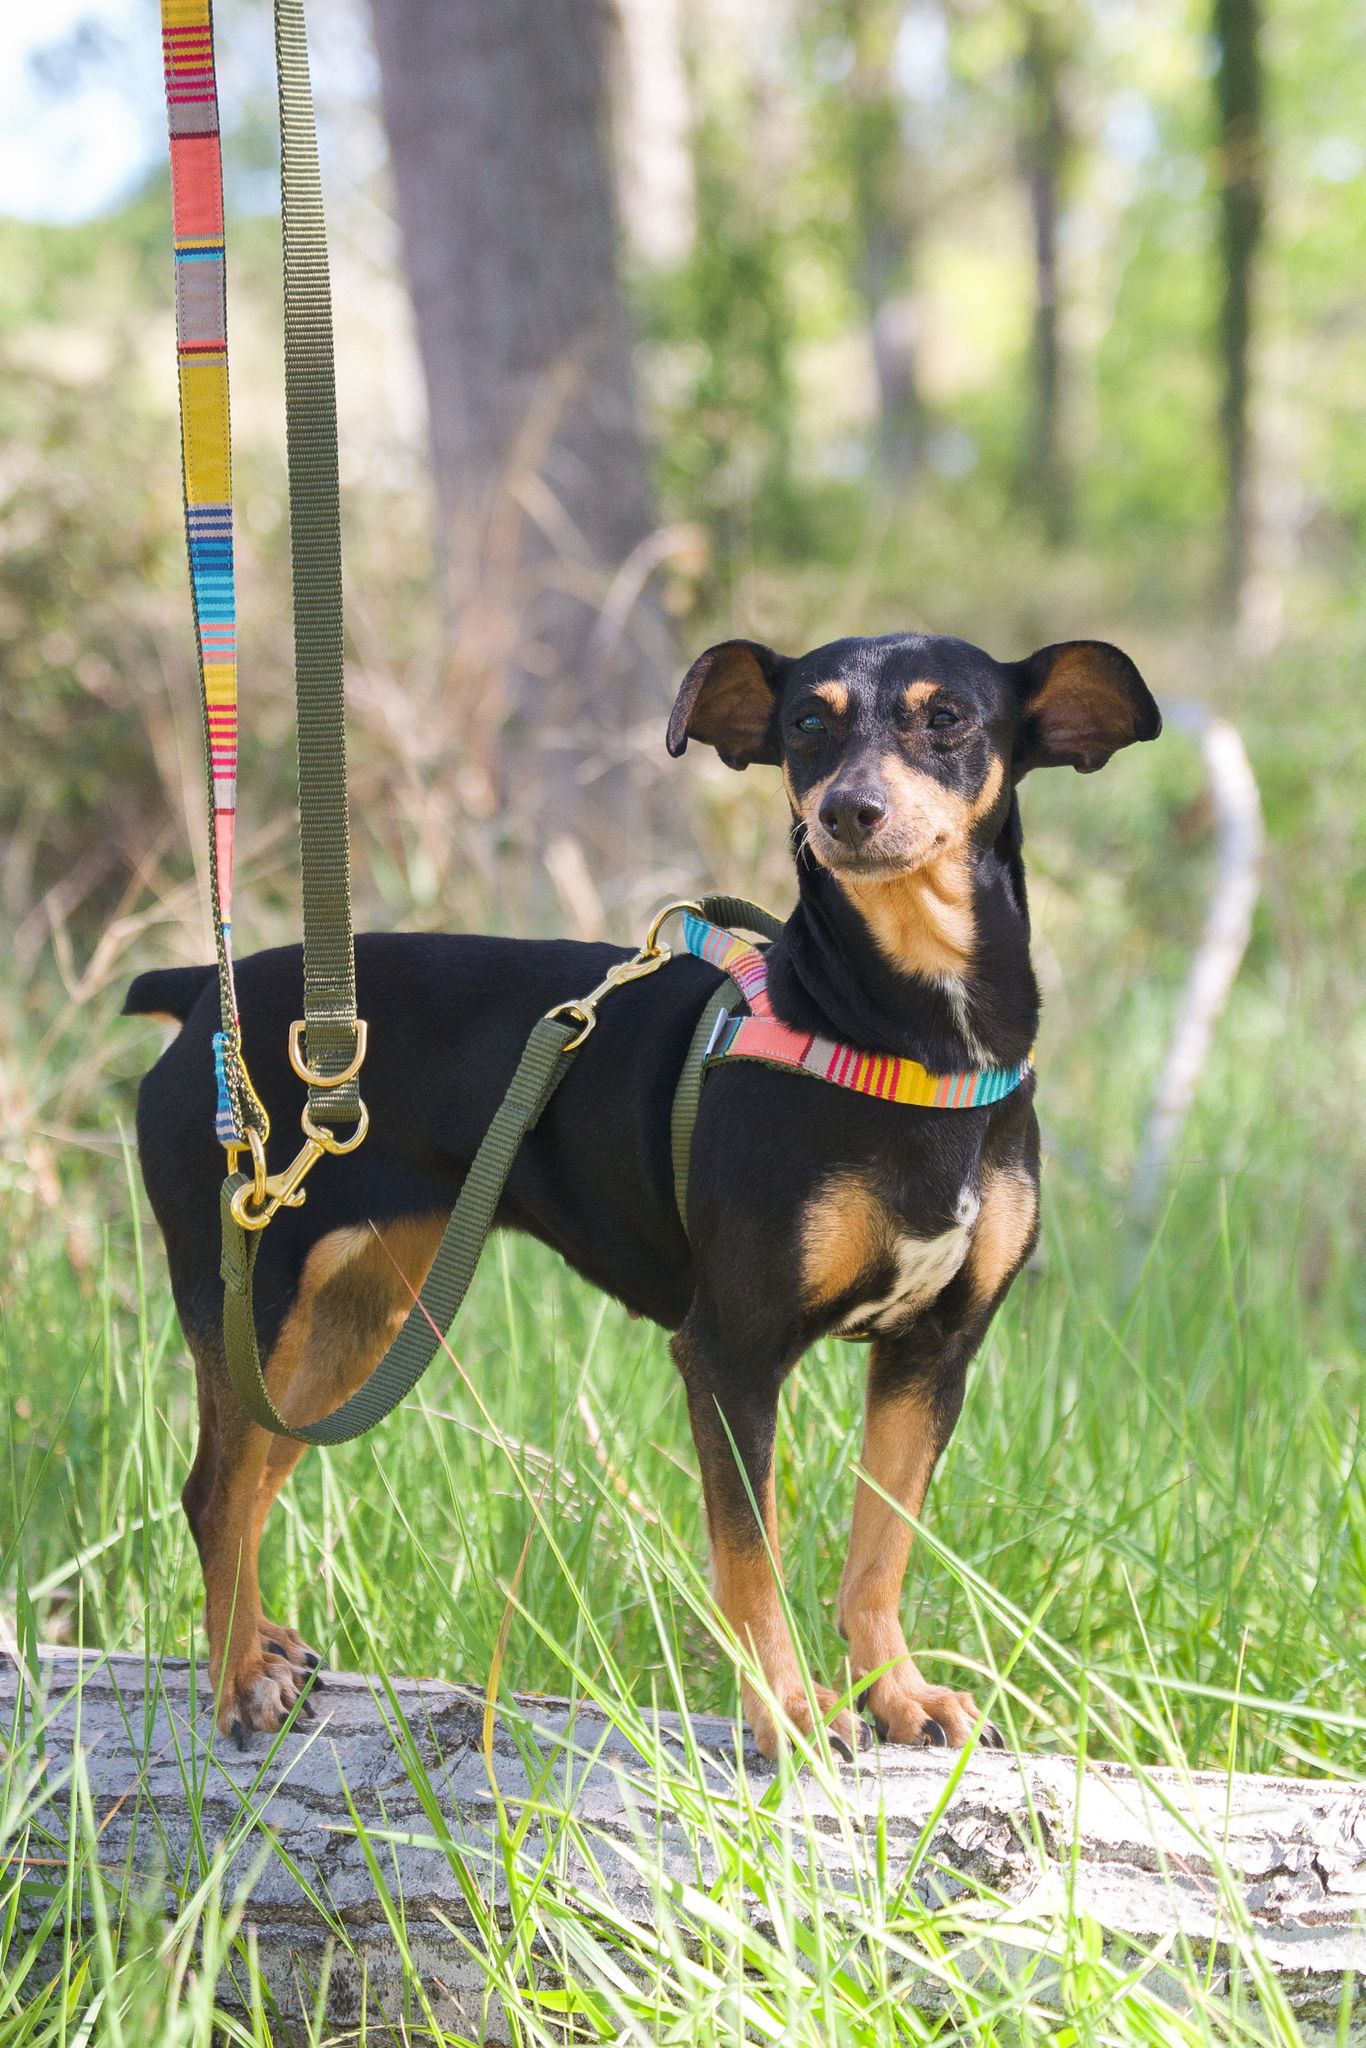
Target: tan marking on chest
x=846 y=1231
x=1005 y=1229
x=848 y=1239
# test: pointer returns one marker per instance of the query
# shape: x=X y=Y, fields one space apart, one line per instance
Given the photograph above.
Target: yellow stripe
x=204 y=418
x=914 y=1085
x=220 y=683
x=184 y=13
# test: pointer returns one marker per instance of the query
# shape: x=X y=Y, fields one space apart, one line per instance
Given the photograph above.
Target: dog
x=811 y=1210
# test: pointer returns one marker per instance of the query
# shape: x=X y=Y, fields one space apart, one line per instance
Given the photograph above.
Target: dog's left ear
x=1080 y=702
x=727 y=700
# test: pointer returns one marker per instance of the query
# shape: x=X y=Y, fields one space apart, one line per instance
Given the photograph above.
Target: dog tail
x=169 y=993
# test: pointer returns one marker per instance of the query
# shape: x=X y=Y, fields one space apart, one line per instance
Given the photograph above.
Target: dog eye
x=811 y=721
x=942 y=716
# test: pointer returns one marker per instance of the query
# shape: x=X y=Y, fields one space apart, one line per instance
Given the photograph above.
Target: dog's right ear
x=727 y=700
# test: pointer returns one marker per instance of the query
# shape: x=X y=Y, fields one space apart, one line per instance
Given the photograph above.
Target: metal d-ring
x=316 y=1080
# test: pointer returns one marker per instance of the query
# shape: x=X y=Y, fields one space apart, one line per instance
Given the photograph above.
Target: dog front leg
x=912 y=1405
x=733 y=1410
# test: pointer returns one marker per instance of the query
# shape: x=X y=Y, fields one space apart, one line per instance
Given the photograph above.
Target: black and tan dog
x=810 y=1209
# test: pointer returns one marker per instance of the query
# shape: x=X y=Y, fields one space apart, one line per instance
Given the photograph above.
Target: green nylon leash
x=543 y=1065
x=315 y=558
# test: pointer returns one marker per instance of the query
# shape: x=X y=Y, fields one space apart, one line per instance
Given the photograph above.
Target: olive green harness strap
x=543 y=1065
x=729 y=912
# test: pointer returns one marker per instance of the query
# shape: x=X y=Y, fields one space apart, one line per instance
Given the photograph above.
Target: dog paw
x=926 y=1717
x=264 y=1693
x=285 y=1645
x=847 y=1733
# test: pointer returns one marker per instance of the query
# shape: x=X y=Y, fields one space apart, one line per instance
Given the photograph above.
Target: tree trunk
x=1238 y=99
x=884 y=266
x=497 y=119
x=1138 y=1855
x=1045 y=152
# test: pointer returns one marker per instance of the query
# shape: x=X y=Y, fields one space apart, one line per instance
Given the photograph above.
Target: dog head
x=899 y=751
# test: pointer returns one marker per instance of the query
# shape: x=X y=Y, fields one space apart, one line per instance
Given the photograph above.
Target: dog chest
x=860 y=1256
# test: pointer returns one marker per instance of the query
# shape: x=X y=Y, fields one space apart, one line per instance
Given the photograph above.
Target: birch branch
x=1223 y=942
x=1214 y=1862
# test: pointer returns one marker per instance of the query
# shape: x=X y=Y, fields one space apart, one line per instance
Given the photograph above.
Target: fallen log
x=1206 y=1862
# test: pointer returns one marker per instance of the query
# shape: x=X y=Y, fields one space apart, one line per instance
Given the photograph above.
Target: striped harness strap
x=759 y=1035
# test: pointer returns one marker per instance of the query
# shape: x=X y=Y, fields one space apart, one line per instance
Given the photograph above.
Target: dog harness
x=739 y=1023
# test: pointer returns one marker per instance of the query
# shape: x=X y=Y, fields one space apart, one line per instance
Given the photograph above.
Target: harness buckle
x=651 y=955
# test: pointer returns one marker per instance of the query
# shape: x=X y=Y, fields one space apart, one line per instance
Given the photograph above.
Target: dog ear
x=727 y=700
x=1079 y=703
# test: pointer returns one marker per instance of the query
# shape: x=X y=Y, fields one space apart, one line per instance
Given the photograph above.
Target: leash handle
x=200 y=251
x=330 y=1059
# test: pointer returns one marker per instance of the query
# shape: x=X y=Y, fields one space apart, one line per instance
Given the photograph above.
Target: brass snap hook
x=254 y=1206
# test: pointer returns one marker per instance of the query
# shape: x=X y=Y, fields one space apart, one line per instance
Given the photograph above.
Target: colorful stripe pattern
x=206 y=452
x=760 y=1035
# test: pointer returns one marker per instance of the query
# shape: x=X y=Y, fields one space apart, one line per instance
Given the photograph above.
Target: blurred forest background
x=1020 y=319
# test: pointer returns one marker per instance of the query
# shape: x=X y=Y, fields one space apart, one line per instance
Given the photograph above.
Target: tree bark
x=1138 y=1855
x=497 y=119
x=884 y=269
x=1045 y=148
x=1238 y=97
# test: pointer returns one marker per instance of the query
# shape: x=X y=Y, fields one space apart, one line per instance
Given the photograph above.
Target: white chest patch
x=924 y=1268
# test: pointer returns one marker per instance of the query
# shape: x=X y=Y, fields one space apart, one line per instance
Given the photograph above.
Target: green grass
x=1148 y=1538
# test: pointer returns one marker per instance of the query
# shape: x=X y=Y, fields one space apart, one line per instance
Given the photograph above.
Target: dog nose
x=852 y=815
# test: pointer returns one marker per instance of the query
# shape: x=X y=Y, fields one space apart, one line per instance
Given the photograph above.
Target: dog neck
x=932 y=965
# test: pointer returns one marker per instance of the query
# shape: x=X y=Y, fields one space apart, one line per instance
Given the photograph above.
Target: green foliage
x=723 y=361
x=1170 y=1478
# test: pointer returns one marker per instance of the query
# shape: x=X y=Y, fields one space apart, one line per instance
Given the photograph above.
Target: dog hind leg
x=354 y=1292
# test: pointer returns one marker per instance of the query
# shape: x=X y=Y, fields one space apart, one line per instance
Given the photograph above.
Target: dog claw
x=240 y=1734
x=847 y=1746
x=312 y=1660
x=933 y=1735
x=992 y=1737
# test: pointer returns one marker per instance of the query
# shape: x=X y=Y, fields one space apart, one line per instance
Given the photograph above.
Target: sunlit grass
x=1146 y=1542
